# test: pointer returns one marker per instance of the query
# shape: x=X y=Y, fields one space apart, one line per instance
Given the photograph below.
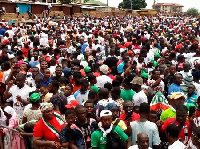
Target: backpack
x=113 y=140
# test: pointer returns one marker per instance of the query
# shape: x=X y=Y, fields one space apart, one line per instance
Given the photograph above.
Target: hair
x=116 y=90
x=126 y=101
x=103 y=93
x=108 y=86
x=144 y=108
x=69 y=112
x=173 y=130
x=77 y=74
x=198 y=99
x=152 y=112
x=55 y=84
x=92 y=94
x=88 y=101
x=91 y=77
x=63 y=80
x=84 y=82
x=79 y=107
x=116 y=83
x=181 y=108
x=21 y=75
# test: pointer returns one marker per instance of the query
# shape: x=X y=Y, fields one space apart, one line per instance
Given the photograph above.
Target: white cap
x=105 y=113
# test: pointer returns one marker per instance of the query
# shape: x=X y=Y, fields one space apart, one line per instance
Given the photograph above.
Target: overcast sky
x=186 y=3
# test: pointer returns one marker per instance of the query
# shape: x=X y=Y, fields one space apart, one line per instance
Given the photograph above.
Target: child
x=153 y=116
x=45 y=93
x=197 y=112
x=70 y=117
x=62 y=82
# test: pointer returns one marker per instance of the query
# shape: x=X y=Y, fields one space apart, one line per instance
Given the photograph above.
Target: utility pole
x=107 y=2
x=131 y=5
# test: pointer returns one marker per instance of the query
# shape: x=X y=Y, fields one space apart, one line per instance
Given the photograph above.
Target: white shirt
x=139 y=98
x=101 y=80
x=105 y=102
x=136 y=147
x=24 y=93
x=177 y=145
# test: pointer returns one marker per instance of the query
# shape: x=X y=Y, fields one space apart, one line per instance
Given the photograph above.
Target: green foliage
x=96 y=2
x=136 y=4
x=65 y=1
x=193 y=11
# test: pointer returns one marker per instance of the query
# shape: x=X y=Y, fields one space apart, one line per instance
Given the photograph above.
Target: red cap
x=3 y=25
x=73 y=103
x=10 y=27
x=5 y=41
x=127 y=44
x=115 y=35
x=130 y=52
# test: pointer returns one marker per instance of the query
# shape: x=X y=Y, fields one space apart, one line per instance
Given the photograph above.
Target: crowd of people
x=101 y=83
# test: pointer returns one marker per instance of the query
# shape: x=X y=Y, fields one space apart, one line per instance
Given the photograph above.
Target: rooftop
x=168 y=4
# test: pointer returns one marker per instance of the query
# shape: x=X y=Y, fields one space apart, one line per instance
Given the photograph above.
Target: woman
x=48 y=128
x=34 y=112
x=12 y=140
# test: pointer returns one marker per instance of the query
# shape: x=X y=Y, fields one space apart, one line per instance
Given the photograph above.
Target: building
x=168 y=7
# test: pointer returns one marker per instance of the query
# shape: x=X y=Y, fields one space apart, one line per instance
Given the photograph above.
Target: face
x=48 y=114
x=106 y=121
x=115 y=113
x=38 y=82
x=178 y=79
x=156 y=75
x=70 y=119
x=58 y=71
x=44 y=90
x=186 y=67
x=162 y=60
x=181 y=116
x=89 y=108
x=35 y=54
x=126 y=59
x=179 y=101
x=143 y=142
x=47 y=73
x=44 y=65
x=81 y=114
x=191 y=89
x=20 y=81
x=127 y=107
x=68 y=91
x=35 y=71
x=172 y=69
x=153 y=118
x=23 y=67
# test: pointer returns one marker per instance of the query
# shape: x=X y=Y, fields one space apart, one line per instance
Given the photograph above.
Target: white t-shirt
x=105 y=102
x=139 y=98
x=177 y=145
x=24 y=93
x=101 y=80
x=136 y=147
x=81 y=98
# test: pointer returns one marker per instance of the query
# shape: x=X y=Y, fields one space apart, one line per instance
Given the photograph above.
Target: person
x=69 y=93
x=175 y=99
x=92 y=79
x=142 y=142
x=31 y=80
x=172 y=133
x=99 y=137
x=103 y=96
x=127 y=93
x=181 y=122
x=43 y=134
x=3 y=118
x=175 y=86
x=140 y=96
x=46 y=79
x=153 y=116
x=191 y=97
x=89 y=109
x=197 y=111
x=18 y=93
x=145 y=126
x=195 y=138
x=34 y=112
x=33 y=63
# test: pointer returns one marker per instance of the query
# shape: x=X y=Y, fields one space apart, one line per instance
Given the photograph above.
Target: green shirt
x=169 y=113
x=97 y=139
x=93 y=87
x=127 y=94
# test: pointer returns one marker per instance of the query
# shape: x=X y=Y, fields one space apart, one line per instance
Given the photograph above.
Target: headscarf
x=35 y=97
x=2 y=117
x=10 y=111
x=44 y=106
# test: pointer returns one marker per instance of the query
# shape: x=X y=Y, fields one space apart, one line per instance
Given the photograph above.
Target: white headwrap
x=10 y=111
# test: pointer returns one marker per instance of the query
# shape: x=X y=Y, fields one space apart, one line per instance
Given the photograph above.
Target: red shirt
x=41 y=130
x=135 y=117
x=185 y=130
x=25 y=51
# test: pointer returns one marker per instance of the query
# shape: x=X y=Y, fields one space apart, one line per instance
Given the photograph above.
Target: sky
x=186 y=3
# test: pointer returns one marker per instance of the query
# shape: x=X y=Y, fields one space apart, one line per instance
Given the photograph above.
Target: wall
x=10 y=7
x=76 y=9
x=23 y=8
x=66 y=10
x=38 y=9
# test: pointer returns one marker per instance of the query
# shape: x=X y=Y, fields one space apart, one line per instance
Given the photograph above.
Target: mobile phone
x=191 y=111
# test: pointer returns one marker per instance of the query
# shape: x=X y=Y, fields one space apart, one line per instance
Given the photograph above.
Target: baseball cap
x=104 y=69
x=72 y=104
x=157 y=55
x=137 y=80
x=87 y=69
x=105 y=113
x=35 y=97
x=176 y=95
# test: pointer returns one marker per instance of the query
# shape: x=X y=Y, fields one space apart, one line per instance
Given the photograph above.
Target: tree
x=65 y=1
x=193 y=12
x=136 y=4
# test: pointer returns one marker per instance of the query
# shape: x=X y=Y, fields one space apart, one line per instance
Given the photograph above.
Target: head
x=125 y=58
x=23 y=67
x=114 y=109
x=53 y=86
x=172 y=132
x=191 y=89
x=137 y=82
x=47 y=73
x=84 y=85
x=34 y=98
x=63 y=81
x=9 y=112
x=153 y=116
x=186 y=66
x=144 y=109
x=172 y=69
x=89 y=108
x=115 y=93
x=38 y=80
x=127 y=106
x=106 y=119
x=81 y=113
x=68 y=90
x=35 y=55
x=178 y=78
x=91 y=78
x=142 y=141
x=20 y=80
x=43 y=65
x=58 y=71
x=176 y=98
x=77 y=77
x=44 y=89
x=155 y=74
x=70 y=117
x=92 y=95
x=181 y=113
x=35 y=71
x=103 y=93
x=47 y=110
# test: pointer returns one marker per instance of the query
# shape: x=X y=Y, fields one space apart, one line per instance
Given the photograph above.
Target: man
x=18 y=93
x=172 y=133
x=186 y=69
x=142 y=142
x=46 y=79
x=140 y=96
x=31 y=80
x=191 y=97
x=89 y=108
x=103 y=79
x=99 y=137
x=34 y=62
x=43 y=66
x=175 y=87
x=120 y=67
x=128 y=107
x=58 y=73
x=175 y=99
x=145 y=126
x=181 y=121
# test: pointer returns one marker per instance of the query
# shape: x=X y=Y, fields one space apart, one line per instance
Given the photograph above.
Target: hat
x=157 y=55
x=72 y=104
x=6 y=41
x=35 y=97
x=111 y=106
x=137 y=80
x=176 y=95
x=104 y=69
x=115 y=35
x=180 y=65
x=3 y=25
x=105 y=113
x=130 y=52
x=90 y=58
x=87 y=69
